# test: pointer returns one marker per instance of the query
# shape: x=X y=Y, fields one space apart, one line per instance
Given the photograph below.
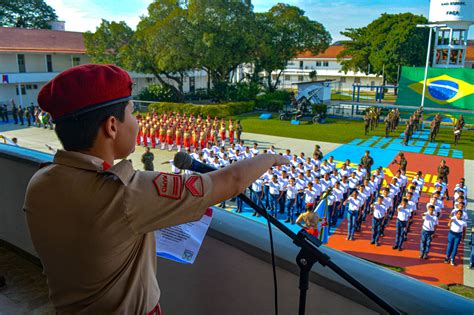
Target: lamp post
x=431 y=27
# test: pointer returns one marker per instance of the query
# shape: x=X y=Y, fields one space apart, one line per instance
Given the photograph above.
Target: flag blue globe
x=443 y=90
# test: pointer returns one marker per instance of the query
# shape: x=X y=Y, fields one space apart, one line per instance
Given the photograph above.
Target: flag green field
x=445 y=88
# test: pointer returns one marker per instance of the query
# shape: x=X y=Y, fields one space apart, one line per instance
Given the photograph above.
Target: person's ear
x=111 y=127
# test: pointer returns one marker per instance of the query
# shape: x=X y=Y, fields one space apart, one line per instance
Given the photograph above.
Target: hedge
x=273 y=101
x=220 y=110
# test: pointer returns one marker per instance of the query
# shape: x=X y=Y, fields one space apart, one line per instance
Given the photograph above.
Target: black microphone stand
x=309 y=255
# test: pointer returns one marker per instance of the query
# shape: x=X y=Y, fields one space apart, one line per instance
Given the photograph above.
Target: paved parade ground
x=432 y=270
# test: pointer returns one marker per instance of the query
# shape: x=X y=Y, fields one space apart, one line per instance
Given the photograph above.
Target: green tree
x=222 y=35
x=388 y=42
x=163 y=45
x=283 y=32
x=26 y=14
x=109 y=42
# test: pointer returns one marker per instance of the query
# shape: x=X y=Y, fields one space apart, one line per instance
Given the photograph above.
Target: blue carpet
x=443 y=152
x=355 y=142
x=429 y=151
x=354 y=153
x=265 y=116
x=382 y=142
x=445 y=146
x=295 y=122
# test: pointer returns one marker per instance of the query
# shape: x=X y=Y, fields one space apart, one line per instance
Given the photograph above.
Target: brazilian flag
x=445 y=88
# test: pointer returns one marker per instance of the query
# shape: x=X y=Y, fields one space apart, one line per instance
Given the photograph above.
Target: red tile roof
x=331 y=52
x=33 y=40
x=334 y=50
x=470 y=53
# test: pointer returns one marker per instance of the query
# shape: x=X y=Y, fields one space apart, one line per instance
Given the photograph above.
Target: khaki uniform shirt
x=93 y=230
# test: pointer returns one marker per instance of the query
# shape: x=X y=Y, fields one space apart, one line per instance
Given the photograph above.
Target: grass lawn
x=460 y=289
x=340 y=131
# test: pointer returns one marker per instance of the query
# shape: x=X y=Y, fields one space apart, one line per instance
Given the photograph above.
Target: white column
x=19 y=94
x=426 y=68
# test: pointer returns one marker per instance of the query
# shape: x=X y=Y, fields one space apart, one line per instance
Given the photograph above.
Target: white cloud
x=86 y=15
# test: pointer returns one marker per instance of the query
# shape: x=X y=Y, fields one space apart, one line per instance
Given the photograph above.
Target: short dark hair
x=80 y=132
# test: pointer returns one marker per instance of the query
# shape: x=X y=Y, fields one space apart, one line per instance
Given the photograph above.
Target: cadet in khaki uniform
x=91 y=221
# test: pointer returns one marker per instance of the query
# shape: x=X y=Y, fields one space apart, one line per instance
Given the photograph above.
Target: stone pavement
x=26 y=291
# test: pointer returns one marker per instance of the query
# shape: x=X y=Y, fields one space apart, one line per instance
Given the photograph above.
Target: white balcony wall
x=8 y=63
x=61 y=62
x=35 y=62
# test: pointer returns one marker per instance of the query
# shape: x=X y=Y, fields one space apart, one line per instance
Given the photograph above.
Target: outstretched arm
x=230 y=181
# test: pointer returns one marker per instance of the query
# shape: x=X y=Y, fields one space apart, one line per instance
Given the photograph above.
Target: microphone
x=184 y=161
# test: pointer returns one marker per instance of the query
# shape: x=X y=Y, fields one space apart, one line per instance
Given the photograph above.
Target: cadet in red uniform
x=222 y=134
x=152 y=136
x=179 y=138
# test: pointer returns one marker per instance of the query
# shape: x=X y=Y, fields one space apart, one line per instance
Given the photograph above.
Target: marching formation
x=175 y=131
x=352 y=191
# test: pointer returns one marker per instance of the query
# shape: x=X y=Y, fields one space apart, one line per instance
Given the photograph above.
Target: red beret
x=85 y=88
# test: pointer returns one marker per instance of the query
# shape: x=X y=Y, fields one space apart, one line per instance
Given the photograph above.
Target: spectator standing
x=15 y=113
x=5 y=112
x=21 y=114
x=28 y=116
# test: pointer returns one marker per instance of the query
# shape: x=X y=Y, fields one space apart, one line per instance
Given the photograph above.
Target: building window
x=357 y=80
x=325 y=64
x=318 y=63
x=342 y=79
x=301 y=64
x=21 y=63
x=287 y=78
x=76 y=61
x=300 y=78
x=23 y=90
x=372 y=85
x=49 y=63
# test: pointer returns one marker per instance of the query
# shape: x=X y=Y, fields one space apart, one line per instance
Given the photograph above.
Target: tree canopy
x=385 y=44
x=283 y=32
x=214 y=36
x=26 y=14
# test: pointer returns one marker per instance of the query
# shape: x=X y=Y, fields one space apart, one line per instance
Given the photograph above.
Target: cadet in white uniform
x=430 y=221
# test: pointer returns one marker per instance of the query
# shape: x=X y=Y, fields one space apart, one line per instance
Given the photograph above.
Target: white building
x=29 y=58
x=326 y=67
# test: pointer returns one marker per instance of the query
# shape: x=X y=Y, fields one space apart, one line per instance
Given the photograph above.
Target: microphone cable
x=272 y=253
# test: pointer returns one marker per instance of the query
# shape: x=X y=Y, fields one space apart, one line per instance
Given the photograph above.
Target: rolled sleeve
x=155 y=200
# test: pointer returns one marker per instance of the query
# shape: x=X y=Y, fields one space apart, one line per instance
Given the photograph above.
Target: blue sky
x=335 y=15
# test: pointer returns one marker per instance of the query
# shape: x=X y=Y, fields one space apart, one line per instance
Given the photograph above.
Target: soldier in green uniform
x=388 y=125
x=403 y=162
x=366 y=123
x=443 y=172
x=317 y=152
x=238 y=130
x=147 y=160
x=367 y=161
